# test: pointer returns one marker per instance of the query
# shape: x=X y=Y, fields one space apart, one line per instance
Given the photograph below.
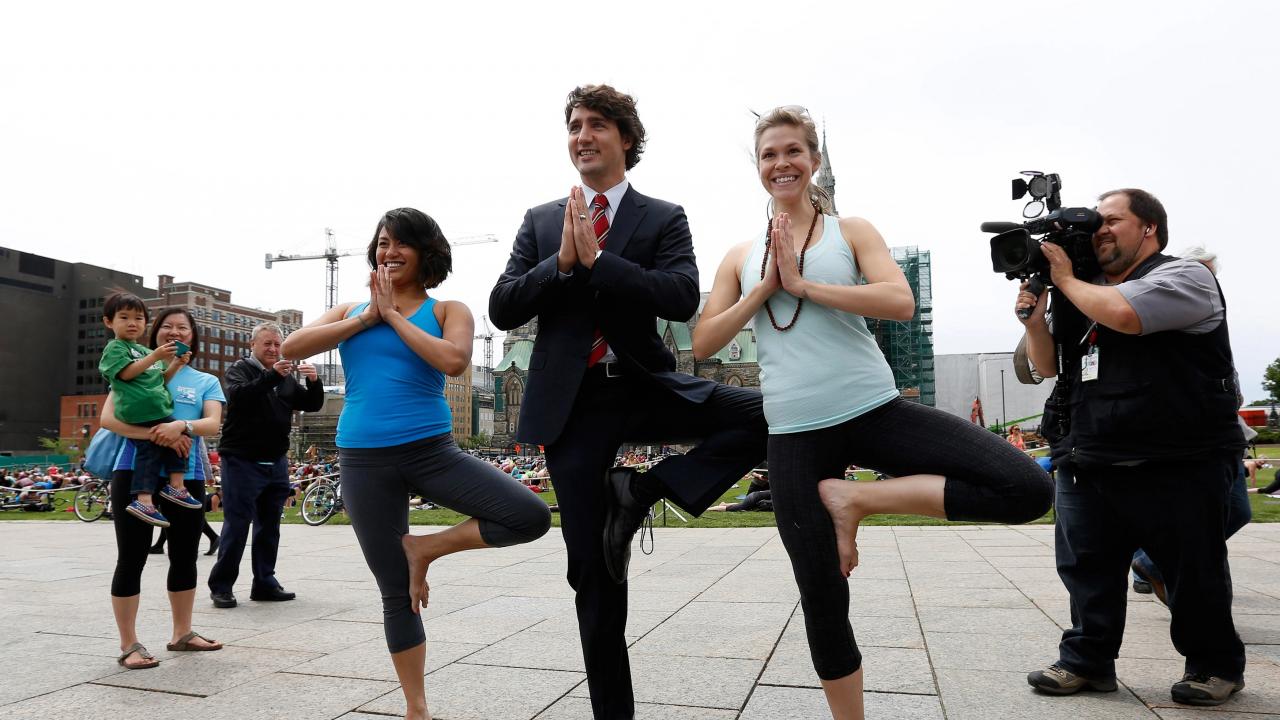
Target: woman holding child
x=830 y=399
x=197 y=413
x=394 y=432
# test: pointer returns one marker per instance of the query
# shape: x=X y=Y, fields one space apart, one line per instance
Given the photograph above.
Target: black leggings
x=752 y=501
x=986 y=479
x=164 y=535
x=133 y=540
x=1273 y=487
x=376 y=483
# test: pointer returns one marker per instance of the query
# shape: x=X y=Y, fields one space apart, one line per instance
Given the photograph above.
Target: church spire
x=826 y=179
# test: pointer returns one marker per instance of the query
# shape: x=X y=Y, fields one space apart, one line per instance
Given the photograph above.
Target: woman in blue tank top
x=830 y=400
x=394 y=432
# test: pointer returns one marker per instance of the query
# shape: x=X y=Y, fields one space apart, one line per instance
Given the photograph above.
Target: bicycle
x=322 y=500
x=92 y=500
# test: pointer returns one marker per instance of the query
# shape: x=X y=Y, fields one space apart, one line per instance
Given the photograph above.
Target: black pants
x=1174 y=512
x=986 y=479
x=751 y=501
x=253 y=493
x=133 y=540
x=207 y=529
x=607 y=412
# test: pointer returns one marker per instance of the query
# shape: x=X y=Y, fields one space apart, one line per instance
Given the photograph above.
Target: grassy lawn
x=1265 y=509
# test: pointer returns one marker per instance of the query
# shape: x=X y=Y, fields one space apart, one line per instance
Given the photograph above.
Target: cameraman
x=1150 y=452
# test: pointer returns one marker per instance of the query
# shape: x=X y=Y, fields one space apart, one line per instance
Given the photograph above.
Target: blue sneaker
x=147 y=514
x=180 y=496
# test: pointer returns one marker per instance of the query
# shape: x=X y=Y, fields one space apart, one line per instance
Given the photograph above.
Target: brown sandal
x=149 y=660
x=184 y=644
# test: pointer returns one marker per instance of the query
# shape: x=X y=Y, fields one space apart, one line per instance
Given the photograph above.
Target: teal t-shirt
x=142 y=399
x=190 y=388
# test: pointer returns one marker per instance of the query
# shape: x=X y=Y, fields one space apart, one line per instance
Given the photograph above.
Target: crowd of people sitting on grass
x=31 y=485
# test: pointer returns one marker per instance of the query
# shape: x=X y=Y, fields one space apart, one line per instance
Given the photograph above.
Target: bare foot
x=838 y=497
x=417 y=713
x=419 y=560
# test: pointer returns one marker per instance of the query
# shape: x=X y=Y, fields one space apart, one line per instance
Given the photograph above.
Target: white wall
x=960 y=378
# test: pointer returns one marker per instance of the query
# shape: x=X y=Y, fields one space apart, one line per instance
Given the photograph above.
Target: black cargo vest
x=1165 y=396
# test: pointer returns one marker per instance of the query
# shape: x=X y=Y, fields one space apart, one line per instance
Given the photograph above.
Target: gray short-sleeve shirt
x=1178 y=295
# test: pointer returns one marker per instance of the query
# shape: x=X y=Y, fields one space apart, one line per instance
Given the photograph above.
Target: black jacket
x=259 y=407
x=647 y=271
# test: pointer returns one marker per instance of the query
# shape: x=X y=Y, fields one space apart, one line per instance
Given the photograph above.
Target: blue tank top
x=393 y=395
x=827 y=368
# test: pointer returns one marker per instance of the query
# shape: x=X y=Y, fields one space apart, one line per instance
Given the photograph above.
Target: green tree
x=62 y=446
x=1271 y=381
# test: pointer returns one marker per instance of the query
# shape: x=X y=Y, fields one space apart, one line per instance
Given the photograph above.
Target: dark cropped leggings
x=986 y=479
x=376 y=483
x=133 y=539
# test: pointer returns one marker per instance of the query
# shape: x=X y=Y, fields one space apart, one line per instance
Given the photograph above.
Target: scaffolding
x=908 y=346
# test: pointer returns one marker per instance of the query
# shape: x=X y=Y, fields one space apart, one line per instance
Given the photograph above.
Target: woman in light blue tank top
x=830 y=399
x=394 y=432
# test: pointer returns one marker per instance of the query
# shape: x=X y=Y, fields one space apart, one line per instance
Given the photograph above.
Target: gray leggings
x=376 y=483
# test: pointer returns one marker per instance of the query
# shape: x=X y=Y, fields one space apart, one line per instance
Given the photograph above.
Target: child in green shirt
x=138 y=384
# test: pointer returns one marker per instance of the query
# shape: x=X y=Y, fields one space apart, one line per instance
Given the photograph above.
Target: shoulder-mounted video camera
x=1015 y=250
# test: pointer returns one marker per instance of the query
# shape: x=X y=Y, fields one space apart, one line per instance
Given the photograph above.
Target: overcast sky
x=194 y=139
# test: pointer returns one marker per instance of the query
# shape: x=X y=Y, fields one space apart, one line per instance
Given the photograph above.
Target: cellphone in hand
x=182 y=347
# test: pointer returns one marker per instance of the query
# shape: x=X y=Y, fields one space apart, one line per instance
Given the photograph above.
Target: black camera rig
x=1015 y=250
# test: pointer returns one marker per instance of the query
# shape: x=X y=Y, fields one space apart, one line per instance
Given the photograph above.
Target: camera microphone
x=999 y=227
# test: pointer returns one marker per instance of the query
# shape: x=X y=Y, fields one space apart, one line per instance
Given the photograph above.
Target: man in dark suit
x=597 y=269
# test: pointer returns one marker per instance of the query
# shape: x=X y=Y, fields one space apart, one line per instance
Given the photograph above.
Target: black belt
x=607 y=370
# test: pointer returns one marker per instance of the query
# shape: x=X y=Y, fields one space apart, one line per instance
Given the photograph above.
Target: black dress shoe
x=622 y=518
x=213 y=547
x=275 y=594
x=224 y=599
x=157 y=550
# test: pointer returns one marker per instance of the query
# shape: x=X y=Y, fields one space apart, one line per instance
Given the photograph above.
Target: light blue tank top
x=393 y=395
x=827 y=368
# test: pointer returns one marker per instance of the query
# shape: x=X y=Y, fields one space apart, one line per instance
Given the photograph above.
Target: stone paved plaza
x=950 y=620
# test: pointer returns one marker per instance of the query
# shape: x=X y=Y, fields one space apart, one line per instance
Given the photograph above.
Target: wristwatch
x=187 y=429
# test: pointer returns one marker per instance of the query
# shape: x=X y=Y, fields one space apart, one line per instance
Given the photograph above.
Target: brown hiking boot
x=1204 y=689
x=1055 y=680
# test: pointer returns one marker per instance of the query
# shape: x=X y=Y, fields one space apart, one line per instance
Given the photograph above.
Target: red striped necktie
x=601 y=224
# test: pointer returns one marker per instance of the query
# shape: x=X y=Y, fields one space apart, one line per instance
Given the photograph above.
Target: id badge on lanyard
x=1089 y=363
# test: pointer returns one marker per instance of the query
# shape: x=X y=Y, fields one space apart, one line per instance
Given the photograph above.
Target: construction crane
x=330 y=256
x=487 y=368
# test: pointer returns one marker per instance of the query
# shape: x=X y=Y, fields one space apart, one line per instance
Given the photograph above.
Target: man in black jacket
x=262 y=395
x=596 y=269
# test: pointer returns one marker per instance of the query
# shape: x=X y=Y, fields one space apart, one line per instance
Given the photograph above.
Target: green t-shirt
x=142 y=399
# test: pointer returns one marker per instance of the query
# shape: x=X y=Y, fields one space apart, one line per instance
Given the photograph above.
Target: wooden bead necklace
x=764 y=264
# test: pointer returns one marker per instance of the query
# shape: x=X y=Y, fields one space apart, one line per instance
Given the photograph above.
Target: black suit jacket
x=647 y=271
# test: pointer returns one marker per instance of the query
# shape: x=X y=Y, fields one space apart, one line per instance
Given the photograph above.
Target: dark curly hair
x=417 y=230
x=616 y=106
